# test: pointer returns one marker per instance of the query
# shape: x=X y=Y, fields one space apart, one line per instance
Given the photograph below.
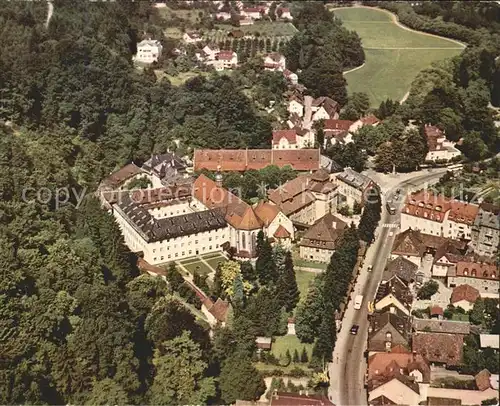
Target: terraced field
x=394 y=53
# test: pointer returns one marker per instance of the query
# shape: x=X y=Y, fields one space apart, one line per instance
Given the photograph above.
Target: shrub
x=428 y=289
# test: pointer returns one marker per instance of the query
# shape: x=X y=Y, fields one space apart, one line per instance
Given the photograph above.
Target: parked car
x=354 y=329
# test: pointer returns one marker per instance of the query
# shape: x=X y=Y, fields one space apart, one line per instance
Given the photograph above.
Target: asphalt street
x=348 y=368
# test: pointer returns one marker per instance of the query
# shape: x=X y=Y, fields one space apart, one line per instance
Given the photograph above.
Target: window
x=210 y=248
x=196 y=241
x=162 y=258
x=154 y=259
x=154 y=250
x=209 y=238
x=243 y=240
x=169 y=256
x=176 y=254
x=190 y=252
x=183 y=253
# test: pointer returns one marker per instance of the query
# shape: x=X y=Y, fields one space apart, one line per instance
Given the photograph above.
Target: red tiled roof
x=237 y=213
x=266 y=212
x=289 y=135
x=219 y=309
x=463 y=212
x=281 y=232
x=476 y=270
x=369 y=120
x=427 y=205
x=483 y=380
x=439 y=347
x=245 y=159
x=379 y=362
x=225 y=55
x=464 y=292
x=339 y=125
x=121 y=175
x=436 y=311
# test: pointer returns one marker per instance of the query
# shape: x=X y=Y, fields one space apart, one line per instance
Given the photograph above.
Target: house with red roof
x=438 y=215
x=480 y=275
x=293 y=139
x=224 y=60
x=369 y=120
x=464 y=296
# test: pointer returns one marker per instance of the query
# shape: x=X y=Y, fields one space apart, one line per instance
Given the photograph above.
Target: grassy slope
x=291 y=343
x=303 y=281
x=388 y=73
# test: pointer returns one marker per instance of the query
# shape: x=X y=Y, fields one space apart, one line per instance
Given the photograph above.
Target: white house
x=324 y=108
x=224 y=60
x=296 y=106
x=439 y=147
x=210 y=52
x=291 y=76
x=438 y=215
x=274 y=62
x=191 y=37
x=291 y=139
x=251 y=12
x=148 y=51
x=284 y=13
x=222 y=16
x=352 y=187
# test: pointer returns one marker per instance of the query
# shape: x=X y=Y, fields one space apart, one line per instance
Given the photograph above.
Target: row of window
x=188 y=243
x=190 y=252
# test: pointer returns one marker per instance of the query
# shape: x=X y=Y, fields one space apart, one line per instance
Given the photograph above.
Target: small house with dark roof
x=394 y=292
x=388 y=328
x=165 y=169
x=406 y=270
x=353 y=187
x=319 y=242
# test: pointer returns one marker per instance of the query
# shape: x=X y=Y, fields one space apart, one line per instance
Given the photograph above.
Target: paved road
x=349 y=363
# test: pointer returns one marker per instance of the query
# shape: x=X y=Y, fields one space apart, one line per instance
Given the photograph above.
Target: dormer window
x=429 y=205
x=466 y=271
x=420 y=204
x=485 y=274
x=438 y=208
x=474 y=272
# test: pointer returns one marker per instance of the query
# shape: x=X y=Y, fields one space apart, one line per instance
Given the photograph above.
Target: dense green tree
x=323 y=347
x=303 y=356
x=287 y=290
x=107 y=392
x=179 y=373
x=309 y=314
x=174 y=277
x=428 y=289
x=371 y=215
x=265 y=266
x=240 y=380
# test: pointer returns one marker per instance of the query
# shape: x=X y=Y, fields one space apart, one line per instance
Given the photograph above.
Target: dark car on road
x=354 y=329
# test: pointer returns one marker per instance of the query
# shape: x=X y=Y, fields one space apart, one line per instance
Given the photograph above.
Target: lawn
x=187 y=15
x=265 y=28
x=182 y=77
x=309 y=264
x=291 y=343
x=213 y=262
x=303 y=281
x=392 y=55
x=198 y=266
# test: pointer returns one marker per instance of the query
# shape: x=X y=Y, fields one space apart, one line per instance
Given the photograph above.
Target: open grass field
x=303 y=281
x=265 y=28
x=394 y=55
x=291 y=343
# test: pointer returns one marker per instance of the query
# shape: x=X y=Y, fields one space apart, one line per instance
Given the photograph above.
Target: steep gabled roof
x=281 y=232
x=266 y=212
x=438 y=347
x=249 y=221
x=464 y=292
x=118 y=177
x=324 y=232
x=403 y=268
